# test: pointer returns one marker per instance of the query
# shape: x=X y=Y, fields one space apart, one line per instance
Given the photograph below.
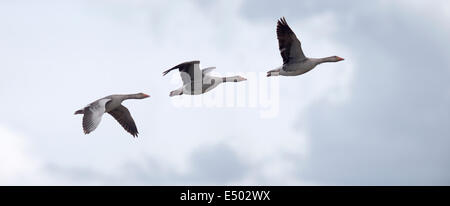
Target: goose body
x=294 y=60
x=93 y=112
x=196 y=81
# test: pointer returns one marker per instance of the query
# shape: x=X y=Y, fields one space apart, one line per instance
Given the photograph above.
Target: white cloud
x=17 y=164
x=439 y=10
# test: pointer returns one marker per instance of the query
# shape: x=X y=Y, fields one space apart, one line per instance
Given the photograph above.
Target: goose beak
x=146 y=95
x=340 y=59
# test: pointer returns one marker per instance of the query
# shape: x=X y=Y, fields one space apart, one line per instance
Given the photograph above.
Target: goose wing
x=93 y=115
x=123 y=116
x=288 y=43
x=189 y=71
x=207 y=70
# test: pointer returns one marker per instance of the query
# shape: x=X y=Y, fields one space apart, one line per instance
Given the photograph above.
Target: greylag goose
x=196 y=81
x=92 y=113
x=294 y=61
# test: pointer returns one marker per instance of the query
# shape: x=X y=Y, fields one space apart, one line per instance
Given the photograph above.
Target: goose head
x=240 y=79
x=234 y=79
x=143 y=95
x=337 y=58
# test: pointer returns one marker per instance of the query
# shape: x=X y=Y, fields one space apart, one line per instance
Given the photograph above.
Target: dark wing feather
x=288 y=43
x=190 y=68
x=123 y=116
x=182 y=67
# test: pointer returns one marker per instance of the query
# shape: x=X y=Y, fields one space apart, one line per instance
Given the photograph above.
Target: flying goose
x=294 y=61
x=92 y=113
x=196 y=81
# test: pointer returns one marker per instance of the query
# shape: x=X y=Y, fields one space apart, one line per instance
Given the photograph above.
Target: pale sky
x=378 y=118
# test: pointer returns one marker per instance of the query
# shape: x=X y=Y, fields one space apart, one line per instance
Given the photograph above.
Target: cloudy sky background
x=378 y=118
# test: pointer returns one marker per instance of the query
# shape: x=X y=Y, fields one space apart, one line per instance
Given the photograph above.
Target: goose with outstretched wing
x=112 y=104
x=294 y=60
x=196 y=81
